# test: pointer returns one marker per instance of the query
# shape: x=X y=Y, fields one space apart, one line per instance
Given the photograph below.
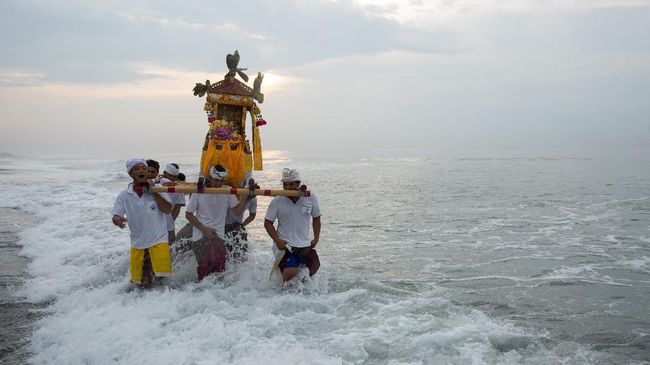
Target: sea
x=423 y=261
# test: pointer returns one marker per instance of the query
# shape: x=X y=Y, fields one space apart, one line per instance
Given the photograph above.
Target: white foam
x=80 y=266
x=640 y=263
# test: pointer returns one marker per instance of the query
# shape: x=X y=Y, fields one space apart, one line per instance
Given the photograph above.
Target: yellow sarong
x=161 y=261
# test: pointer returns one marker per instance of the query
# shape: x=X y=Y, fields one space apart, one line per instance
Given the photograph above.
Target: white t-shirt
x=251 y=206
x=211 y=211
x=148 y=225
x=293 y=218
x=175 y=199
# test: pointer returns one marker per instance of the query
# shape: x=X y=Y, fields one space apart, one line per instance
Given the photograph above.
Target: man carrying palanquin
x=236 y=234
x=153 y=168
x=145 y=213
x=207 y=214
x=170 y=175
x=293 y=215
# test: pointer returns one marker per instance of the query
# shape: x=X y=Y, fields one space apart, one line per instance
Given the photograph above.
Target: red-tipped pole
x=261 y=192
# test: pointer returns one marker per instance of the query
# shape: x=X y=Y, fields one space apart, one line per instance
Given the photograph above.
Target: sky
x=348 y=78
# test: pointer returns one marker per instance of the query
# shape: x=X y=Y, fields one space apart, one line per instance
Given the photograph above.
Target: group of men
x=216 y=219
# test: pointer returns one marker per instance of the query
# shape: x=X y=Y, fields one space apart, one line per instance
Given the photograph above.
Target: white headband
x=172 y=170
x=290 y=175
x=130 y=164
x=221 y=175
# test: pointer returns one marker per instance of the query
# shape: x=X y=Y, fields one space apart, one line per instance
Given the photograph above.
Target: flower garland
x=258 y=116
x=260 y=120
x=222 y=130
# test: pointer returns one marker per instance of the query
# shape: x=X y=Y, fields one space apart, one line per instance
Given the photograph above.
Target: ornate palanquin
x=228 y=104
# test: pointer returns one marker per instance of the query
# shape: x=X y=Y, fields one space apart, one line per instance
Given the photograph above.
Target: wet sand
x=17 y=316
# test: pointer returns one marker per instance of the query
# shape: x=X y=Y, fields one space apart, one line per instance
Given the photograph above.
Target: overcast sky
x=365 y=78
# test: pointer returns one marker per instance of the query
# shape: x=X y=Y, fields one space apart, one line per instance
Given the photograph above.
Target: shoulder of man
x=312 y=196
x=122 y=194
x=276 y=200
x=194 y=198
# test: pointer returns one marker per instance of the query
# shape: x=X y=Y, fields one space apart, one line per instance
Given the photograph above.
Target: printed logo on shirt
x=153 y=206
x=306 y=207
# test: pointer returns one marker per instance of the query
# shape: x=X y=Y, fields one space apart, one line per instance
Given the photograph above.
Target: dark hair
x=175 y=165
x=219 y=168
x=154 y=164
x=180 y=176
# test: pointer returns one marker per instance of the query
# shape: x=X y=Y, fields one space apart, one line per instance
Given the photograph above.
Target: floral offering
x=222 y=130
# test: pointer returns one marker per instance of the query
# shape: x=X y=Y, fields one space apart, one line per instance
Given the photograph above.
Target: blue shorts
x=294 y=260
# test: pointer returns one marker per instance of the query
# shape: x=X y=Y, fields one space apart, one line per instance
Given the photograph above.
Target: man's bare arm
x=207 y=231
x=270 y=229
x=119 y=221
x=163 y=205
x=316 y=227
x=250 y=218
x=241 y=206
x=176 y=211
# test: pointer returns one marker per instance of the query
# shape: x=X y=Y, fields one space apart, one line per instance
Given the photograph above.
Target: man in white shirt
x=207 y=214
x=153 y=167
x=236 y=234
x=145 y=214
x=293 y=215
x=177 y=199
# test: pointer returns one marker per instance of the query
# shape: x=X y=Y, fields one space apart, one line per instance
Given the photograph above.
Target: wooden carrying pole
x=193 y=190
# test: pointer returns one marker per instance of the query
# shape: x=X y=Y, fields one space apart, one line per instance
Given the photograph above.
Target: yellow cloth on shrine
x=206 y=158
x=257 y=150
x=248 y=158
x=229 y=154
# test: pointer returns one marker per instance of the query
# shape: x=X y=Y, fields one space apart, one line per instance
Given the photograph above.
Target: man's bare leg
x=171 y=236
x=147 y=271
x=289 y=273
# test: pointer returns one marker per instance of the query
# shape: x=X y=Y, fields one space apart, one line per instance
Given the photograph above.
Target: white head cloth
x=247 y=176
x=290 y=175
x=221 y=175
x=172 y=170
x=130 y=164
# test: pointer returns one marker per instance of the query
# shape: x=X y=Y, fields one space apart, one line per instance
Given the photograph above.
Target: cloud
x=357 y=74
x=20 y=77
x=156 y=82
x=404 y=99
x=160 y=82
x=88 y=41
x=435 y=13
x=171 y=23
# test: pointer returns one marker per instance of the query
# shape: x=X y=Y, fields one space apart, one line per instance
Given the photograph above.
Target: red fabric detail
x=267 y=193
x=171 y=189
x=233 y=191
x=213 y=259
